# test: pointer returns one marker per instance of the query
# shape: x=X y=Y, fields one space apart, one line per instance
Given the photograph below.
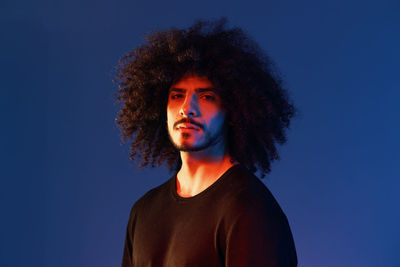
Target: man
x=205 y=101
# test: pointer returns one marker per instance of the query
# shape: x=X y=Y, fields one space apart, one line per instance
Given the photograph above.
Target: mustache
x=188 y=120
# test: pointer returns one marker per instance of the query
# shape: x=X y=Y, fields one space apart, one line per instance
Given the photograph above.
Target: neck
x=200 y=169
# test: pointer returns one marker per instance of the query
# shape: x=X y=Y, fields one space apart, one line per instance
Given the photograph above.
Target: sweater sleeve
x=127 y=259
x=259 y=236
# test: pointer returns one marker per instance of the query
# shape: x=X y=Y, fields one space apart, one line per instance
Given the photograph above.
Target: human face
x=195 y=117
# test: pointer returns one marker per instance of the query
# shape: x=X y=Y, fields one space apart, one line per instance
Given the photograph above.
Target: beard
x=209 y=140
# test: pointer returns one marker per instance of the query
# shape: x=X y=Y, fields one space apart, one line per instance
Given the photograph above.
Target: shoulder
x=255 y=225
x=154 y=195
x=247 y=194
x=247 y=189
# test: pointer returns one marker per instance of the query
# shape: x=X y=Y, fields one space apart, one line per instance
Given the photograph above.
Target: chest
x=179 y=235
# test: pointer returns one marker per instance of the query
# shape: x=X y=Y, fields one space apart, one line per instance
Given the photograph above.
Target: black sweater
x=234 y=222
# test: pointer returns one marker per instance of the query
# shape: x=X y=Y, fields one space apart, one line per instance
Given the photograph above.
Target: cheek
x=169 y=123
x=170 y=118
x=217 y=121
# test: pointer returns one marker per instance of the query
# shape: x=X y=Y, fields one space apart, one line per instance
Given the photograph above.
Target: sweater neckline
x=205 y=192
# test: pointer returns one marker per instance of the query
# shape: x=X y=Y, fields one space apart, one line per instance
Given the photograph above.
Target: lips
x=187 y=126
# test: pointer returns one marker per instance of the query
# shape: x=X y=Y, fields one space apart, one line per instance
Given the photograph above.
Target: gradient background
x=67 y=184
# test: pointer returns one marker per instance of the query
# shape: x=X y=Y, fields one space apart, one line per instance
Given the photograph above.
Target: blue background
x=67 y=184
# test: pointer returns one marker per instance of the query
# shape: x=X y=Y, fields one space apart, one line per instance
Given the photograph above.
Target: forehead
x=193 y=83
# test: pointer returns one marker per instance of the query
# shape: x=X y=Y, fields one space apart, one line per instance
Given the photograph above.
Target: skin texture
x=196 y=127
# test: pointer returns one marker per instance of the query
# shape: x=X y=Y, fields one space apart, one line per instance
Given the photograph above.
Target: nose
x=189 y=107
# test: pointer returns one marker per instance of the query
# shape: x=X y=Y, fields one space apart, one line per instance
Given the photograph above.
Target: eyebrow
x=198 y=90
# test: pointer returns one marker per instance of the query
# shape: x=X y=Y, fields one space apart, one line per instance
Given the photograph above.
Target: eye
x=208 y=97
x=175 y=96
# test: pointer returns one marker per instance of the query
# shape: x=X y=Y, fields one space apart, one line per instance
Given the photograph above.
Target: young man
x=204 y=101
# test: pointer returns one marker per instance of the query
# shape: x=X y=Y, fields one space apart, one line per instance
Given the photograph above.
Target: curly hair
x=257 y=106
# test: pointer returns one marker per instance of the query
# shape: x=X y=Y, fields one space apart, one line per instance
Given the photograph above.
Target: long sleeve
x=127 y=259
x=260 y=237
